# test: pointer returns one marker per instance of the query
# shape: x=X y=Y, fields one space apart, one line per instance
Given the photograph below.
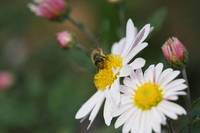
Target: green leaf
x=158 y=18
x=196 y=108
x=195 y=119
x=16 y=114
x=107 y=130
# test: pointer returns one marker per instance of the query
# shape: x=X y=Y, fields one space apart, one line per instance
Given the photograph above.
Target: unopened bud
x=49 y=9
x=6 y=80
x=175 y=52
x=65 y=39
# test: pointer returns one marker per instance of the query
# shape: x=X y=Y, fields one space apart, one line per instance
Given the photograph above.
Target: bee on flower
x=111 y=67
x=147 y=99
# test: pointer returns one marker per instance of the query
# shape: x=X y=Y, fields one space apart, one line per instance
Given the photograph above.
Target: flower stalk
x=83 y=48
x=188 y=89
x=170 y=127
x=121 y=10
x=187 y=98
x=85 y=30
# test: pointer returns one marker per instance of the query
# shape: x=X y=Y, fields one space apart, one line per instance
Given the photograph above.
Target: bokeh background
x=50 y=84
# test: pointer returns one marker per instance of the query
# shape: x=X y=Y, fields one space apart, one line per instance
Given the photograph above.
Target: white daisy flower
x=117 y=64
x=146 y=99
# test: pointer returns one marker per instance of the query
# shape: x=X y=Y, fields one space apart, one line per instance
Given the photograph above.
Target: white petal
x=163 y=74
x=142 y=122
x=138 y=121
x=174 y=83
x=172 y=98
x=137 y=63
x=161 y=115
x=131 y=32
x=96 y=109
x=174 y=93
x=158 y=70
x=87 y=107
x=156 y=126
x=149 y=74
x=38 y=1
x=156 y=120
x=167 y=112
x=145 y=123
x=148 y=128
x=126 y=90
x=123 y=118
x=174 y=108
x=125 y=71
x=108 y=112
x=122 y=109
x=136 y=78
x=135 y=122
x=130 y=123
x=175 y=86
x=130 y=82
x=134 y=52
x=179 y=87
x=127 y=81
x=115 y=92
x=126 y=100
x=155 y=115
x=34 y=8
x=118 y=47
x=140 y=37
x=140 y=76
x=169 y=77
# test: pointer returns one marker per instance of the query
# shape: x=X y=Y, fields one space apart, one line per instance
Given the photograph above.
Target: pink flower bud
x=49 y=9
x=65 y=39
x=6 y=80
x=175 y=52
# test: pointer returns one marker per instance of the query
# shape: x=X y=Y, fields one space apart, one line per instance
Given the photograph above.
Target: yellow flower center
x=147 y=96
x=105 y=77
x=113 y=61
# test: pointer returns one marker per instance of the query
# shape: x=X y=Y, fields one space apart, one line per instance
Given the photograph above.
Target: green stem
x=83 y=48
x=85 y=30
x=188 y=89
x=188 y=98
x=121 y=10
x=170 y=127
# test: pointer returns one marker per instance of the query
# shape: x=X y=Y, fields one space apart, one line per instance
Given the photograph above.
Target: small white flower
x=147 y=100
x=117 y=64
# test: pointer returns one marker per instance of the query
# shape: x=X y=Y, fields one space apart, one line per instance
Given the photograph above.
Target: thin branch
x=170 y=127
x=85 y=30
x=121 y=10
x=188 y=98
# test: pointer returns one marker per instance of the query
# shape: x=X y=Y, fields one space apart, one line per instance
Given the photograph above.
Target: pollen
x=113 y=61
x=105 y=77
x=147 y=96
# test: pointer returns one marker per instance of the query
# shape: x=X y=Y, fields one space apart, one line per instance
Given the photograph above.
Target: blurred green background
x=51 y=84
